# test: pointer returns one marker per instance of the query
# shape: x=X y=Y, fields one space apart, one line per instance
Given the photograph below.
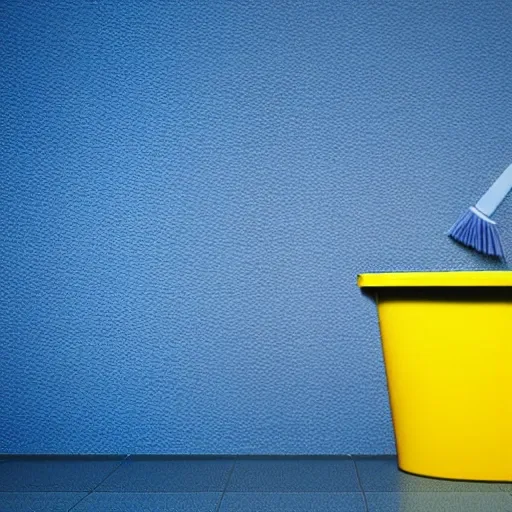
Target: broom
x=474 y=228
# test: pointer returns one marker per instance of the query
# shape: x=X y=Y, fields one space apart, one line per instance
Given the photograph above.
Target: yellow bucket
x=447 y=343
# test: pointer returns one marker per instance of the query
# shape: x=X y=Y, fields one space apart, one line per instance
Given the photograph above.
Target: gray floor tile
x=294 y=475
x=150 y=502
x=439 y=502
x=39 y=501
x=383 y=475
x=293 y=502
x=53 y=475
x=169 y=475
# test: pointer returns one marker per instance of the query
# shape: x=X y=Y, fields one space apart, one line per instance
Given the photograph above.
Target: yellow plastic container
x=447 y=342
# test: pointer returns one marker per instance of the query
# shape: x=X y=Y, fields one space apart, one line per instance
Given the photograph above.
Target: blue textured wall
x=189 y=190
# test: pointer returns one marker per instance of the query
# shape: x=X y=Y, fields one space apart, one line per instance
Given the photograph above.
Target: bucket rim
x=437 y=278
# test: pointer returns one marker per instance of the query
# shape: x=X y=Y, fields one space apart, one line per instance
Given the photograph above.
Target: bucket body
x=447 y=344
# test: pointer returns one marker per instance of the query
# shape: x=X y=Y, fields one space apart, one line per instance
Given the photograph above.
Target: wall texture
x=189 y=190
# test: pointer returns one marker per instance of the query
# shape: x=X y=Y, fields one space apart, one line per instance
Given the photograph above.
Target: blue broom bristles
x=473 y=231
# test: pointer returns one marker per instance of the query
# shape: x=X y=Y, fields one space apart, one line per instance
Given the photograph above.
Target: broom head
x=476 y=230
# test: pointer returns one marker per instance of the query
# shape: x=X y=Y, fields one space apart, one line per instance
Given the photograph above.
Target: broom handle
x=495 y=195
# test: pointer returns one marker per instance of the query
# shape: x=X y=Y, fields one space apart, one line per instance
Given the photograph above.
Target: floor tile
x=54 y=475
x=439 y=502
x=149 y=502
x=293 y=502
x=294 y=475
x=169 y=475
x=39 y=501
x=383 y=475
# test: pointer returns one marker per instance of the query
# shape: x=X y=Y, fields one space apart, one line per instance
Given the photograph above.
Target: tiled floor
x=235 y=484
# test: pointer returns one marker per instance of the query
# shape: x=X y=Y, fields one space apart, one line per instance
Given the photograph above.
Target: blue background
x=189 y=190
